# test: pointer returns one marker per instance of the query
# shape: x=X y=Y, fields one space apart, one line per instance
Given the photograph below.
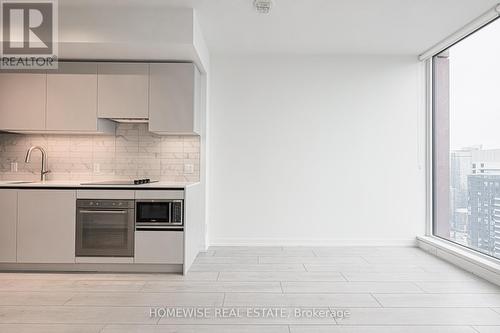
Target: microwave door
x=159 y=214
x=153 y=212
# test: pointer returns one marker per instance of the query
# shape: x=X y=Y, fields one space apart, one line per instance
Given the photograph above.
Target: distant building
x=475 y=198
x=460 y=167
x=485 y=161
x=484 y=212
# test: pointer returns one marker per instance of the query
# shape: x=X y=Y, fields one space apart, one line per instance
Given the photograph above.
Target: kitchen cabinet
x=72 y=98
x=159 y=247
x=22 y=101
x=8 y=223
x=174 y=98
x=123 y=90
x=57 y=101
x=82 y=97
x=46 y=226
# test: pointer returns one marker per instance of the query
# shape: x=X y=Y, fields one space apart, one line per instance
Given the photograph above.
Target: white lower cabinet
x=159 y=247
x=38 y=227
x=8 y=222
x=46 y=226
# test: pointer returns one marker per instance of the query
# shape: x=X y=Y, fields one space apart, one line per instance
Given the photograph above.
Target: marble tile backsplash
x=132 y=153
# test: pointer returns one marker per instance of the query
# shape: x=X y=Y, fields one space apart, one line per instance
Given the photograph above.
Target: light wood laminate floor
x=377 y=289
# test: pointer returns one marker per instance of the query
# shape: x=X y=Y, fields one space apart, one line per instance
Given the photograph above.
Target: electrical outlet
x=188 y=168
x=97 y=168
x=13 y=167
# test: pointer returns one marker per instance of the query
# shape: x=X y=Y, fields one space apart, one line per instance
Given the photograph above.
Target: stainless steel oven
x=105 y=228
x=163 y=214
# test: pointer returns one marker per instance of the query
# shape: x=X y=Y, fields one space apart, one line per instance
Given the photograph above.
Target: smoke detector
x=263 y=6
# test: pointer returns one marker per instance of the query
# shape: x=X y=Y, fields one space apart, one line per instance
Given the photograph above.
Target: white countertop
x=78 y=185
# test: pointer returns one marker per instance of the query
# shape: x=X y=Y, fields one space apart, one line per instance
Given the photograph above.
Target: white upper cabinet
x=123 y=90
x=22 y=101
x=72 y=97
x=82 y=97
x=174 y=97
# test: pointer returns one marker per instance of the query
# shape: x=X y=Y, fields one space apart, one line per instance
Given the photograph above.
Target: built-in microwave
x=159 y=214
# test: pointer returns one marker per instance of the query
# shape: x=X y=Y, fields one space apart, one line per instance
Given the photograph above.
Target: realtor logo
x=29 y=34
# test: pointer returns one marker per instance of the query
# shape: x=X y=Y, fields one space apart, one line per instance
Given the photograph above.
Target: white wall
x=316 y=150
x=107 y=31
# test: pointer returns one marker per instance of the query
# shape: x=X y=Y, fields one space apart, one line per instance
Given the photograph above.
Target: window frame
x=431 y=125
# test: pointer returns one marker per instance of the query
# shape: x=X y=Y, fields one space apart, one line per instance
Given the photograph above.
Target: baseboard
x=475 y=263
x=311 y=242
x=101 y=268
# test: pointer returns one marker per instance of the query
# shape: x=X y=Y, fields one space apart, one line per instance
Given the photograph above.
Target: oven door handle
x=102 y=211
x=159 y=228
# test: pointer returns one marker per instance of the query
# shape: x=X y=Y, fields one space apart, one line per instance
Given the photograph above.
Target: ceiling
x=321 y=26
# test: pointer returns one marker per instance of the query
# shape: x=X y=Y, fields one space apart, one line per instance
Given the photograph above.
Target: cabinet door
x=46 y=226
x=72 y=97
x=8 y=222
x=173 y=98
x=22 y=101
x=123 y=90
x=159 y=247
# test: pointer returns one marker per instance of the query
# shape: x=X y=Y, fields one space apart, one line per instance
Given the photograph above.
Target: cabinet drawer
x=159 y=195
x=159 y=247
x=105 y=194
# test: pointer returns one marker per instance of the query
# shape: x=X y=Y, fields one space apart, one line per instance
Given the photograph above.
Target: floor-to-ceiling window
x=466 y=141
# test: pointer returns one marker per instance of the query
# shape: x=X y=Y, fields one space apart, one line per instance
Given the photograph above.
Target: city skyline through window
x=467 y=141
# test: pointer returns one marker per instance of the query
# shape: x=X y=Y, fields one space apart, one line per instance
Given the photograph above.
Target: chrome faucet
x=43 y=171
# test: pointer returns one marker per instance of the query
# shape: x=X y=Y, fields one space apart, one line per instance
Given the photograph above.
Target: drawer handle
x=103 y=212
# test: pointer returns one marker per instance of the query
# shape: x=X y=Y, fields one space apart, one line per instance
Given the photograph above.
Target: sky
x=475 y=89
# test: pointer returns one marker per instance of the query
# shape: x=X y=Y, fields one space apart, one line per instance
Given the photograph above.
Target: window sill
x=476 y=263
